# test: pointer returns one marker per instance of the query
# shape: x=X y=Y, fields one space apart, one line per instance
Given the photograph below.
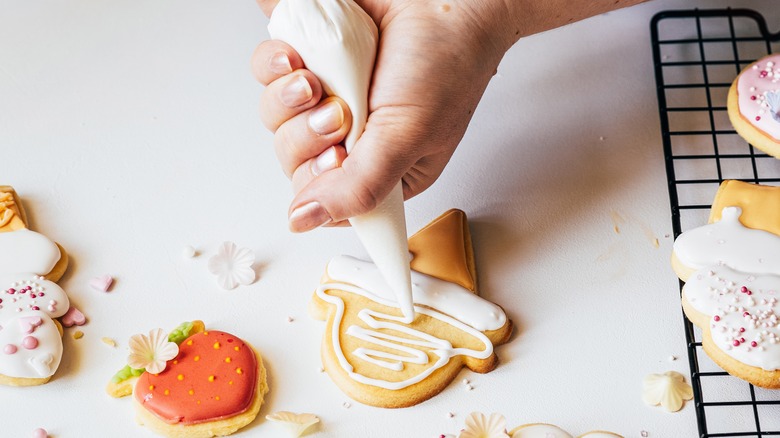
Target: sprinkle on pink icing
x=30 y=342
x=9 y=349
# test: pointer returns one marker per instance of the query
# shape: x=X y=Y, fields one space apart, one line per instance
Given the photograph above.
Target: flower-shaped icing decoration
x=232 y=265
x=773 y=99
x=668 y=390
x=151 y=352
x=296 y=424
x=479 y=425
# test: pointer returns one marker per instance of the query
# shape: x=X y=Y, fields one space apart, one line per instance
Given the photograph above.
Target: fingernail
x=325 y=162
x=280 y=64
x=296 y=92
x=308 y=216
x=327 y=118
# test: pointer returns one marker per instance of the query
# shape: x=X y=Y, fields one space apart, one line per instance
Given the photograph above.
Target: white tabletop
x=130 y=129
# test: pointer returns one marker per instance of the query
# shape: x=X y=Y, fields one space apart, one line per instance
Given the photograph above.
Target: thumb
x=366 y=176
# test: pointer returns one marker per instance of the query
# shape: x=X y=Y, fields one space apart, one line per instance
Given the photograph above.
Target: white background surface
x=130 y=129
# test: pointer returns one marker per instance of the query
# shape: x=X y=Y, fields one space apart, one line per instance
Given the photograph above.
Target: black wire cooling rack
x=697 y=54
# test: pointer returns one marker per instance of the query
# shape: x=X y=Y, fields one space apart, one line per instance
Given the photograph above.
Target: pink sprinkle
x=36 y=308
x=41 y=294
x=750 y=292
x=762 y=74
x=758 y=118
x=9 y=349
x=33 y=296
x=746 y=313
x=102 y=283
x=716 y=318
x=743 y=289
x=742 y=329
x=11 y=291
x=30 y=342
x=752 y=97
x=40 y=433
x=741 y=340
x=754 y=344
x=735 y=343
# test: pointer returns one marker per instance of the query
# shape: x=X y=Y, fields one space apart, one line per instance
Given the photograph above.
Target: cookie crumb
x=672 y=358
x=189 y=252
x=40 y=433
x=346 y=405
x=108 y=341
x=466 y=381
x=644 y=434
x=78 y=334
x=290 y=319
x=469 y=387
x=322 y=369
x=450 y=414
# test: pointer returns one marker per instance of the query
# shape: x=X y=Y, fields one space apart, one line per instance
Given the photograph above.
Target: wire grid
x=697 y=54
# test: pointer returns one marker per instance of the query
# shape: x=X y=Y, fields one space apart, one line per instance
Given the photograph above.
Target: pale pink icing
x=755 y=88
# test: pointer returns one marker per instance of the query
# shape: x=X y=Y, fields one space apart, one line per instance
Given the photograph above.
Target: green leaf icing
x=180 y=333
x=177 y=335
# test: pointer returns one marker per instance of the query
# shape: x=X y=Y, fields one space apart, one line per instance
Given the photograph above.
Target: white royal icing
x=739 y=317
x=30 y=344
x=27 y=251
x=728 y=242
x=453 y=305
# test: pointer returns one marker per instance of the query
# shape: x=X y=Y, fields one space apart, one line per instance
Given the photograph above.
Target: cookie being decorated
x=379 y=360
x=211 y=385
x=754 y=104
x=732 y=271
x=30 y=300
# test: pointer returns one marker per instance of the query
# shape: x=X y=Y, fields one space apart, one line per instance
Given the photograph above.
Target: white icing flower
x=479 y=425
x=151 y=352
x=668 y=390
x=232 y=265
x=296 y=424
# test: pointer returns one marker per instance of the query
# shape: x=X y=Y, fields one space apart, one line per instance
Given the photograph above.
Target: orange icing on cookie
x=760 y=204
x=202 y=386
x=453 y=259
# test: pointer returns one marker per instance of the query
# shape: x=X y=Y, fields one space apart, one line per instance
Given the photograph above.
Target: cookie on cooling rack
x=732 y=271
x=754 y=104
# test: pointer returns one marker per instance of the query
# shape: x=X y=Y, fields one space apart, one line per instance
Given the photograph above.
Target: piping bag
x=337 y=41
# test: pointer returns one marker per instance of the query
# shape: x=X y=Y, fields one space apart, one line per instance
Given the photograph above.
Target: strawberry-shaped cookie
x=211 y=385
x=30 y=263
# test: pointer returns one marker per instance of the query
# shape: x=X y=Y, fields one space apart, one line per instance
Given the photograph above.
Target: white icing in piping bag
x=337 y=41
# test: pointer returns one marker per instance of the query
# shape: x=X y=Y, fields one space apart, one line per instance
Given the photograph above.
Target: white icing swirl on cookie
x=728 y=242
x=443 y=301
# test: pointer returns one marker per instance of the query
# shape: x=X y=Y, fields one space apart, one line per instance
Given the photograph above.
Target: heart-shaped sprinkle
x=200 y=384
x=28 y=324
x=73 y=317
x=102 y=283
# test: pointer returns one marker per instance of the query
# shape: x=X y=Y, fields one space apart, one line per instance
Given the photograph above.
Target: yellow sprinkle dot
x=78 y=334
x=227 y=359
x=211 y=378
x=198 y=402
x=176 y=362
x=236 y=348
x=189 y=342
x=180 y=377
x=108 y=341
x=151 y=387
x=167 y=392
x=205 y=333
x=197 y=358
x=191 y=392
x=239 y=371
x=216 y=345
x=216 y=398
x=230 y=382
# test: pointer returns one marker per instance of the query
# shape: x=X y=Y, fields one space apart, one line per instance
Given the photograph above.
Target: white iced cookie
x=30 y=339
x=337 y=41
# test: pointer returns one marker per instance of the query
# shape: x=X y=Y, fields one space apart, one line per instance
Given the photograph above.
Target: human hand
x=433 y=64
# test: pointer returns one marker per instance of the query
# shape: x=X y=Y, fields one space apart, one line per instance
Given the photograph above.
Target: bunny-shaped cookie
x=30 y=338
x=379 y=360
